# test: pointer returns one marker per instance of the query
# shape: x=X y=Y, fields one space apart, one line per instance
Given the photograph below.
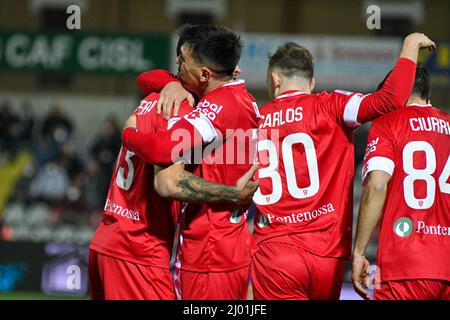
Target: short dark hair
x=182 y=36
x=422 y=83
x=216 y=47
x=293 y=60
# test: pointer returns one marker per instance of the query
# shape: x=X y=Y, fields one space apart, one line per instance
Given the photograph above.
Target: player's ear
x=237 y=71
x=313 y=83
x=205 y=74
x=276 y=80
x=273 y=84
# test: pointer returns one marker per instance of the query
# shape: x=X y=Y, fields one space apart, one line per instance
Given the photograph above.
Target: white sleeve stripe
x=255 y=107
x=205 y=127
x=351 y=110
x=378 y=163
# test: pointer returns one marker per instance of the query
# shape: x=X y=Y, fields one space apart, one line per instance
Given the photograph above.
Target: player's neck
x=417 y=100
x=292 y=87
x=215 y=83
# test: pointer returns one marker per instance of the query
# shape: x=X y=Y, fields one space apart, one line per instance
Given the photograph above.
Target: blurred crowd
x=68 y=180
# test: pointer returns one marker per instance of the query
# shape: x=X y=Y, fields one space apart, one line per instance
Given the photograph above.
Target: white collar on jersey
x=233 y=83
x=419 y=105
x=286 y=95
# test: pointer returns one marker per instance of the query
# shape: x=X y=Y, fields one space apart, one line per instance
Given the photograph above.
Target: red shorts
x=282 y=271
x=115 y=279
x=413 y=290
x=232 y=285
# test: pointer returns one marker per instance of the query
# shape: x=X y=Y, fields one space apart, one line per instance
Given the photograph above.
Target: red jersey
x=213 y=237
x=413 y=146
x=138 y=225
x=307 y=162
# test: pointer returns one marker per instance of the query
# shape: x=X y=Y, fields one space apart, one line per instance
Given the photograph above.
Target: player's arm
x=163 y=148
x=177 y=183
x=154 y=80
x=370 y=209
x=172 y=92
x=378 y=167
x=397 y=88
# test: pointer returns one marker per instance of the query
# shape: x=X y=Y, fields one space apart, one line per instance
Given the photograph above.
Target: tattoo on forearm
x=195 y=189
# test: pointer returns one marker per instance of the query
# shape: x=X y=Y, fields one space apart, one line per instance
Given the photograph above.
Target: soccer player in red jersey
x=304 y=204
x=406 y=173
x=131 y=248
x=130 y=251
x=215 y=242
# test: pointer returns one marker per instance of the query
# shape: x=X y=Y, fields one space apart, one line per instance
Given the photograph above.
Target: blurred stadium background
x=64 y=95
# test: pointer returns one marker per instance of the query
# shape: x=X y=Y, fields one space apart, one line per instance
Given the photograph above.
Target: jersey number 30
x=271 y=171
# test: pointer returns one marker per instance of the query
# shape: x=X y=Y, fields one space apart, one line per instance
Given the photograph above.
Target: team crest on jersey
x=262 y=220
x=403 y=227
x=236 y=215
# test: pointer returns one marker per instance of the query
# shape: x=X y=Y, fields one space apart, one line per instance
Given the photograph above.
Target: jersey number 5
x=122 y=181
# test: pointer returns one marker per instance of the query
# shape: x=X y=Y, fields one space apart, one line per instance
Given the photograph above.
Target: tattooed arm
x=177 y=183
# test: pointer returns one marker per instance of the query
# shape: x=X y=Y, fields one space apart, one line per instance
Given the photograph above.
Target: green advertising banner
x=67 y=52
